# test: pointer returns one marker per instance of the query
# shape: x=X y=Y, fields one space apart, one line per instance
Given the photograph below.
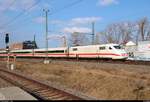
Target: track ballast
x=41 y=90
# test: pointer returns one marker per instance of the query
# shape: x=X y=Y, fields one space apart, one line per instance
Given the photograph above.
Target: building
x=131 y=47
x=23 y=45
x=29 y=45
x=140 y=51
x=1 y=49
x=143 y=50
x=16 y=46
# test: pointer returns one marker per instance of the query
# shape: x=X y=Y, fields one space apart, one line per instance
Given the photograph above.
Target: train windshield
x=117 y=47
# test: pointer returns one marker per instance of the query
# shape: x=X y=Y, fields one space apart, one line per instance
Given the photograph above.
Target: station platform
x=14 y=93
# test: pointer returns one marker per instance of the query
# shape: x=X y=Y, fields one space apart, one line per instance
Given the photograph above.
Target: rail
x=41 y=90
x=128 y=62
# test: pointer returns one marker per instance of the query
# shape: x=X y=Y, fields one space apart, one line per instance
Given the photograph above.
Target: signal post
x=7 y=48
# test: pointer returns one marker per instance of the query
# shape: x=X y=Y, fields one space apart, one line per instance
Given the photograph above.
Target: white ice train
x=109 y=51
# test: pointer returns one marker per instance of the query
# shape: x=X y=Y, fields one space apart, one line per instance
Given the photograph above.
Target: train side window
x=102 y=48
x=117 y=47
x=75 y=49
x=21 y=52
x=55 y=51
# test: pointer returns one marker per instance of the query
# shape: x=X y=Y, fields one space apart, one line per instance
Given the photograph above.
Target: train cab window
x=102 y=48
x=117 y=47
x=75 y=49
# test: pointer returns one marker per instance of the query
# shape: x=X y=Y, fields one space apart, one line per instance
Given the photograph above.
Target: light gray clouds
x=77 y=29
x=107 y=2
x=16 y=5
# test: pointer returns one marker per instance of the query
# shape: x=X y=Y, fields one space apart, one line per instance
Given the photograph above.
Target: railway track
x=128 y=62
x=41 y=90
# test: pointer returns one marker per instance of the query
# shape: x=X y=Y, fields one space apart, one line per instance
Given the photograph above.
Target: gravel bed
x=101 y=80
x=4 y=84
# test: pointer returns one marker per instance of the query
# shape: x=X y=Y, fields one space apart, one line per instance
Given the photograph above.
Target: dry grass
x=103 y=81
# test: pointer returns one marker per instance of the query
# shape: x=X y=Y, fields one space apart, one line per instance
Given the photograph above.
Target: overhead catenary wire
x=10 y=5
x=19 y=15
x=56 y=11
x=63 y=8
x=67 y=6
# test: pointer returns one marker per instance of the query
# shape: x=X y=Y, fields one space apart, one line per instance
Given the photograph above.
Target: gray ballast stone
x=14 y=93
x=2 y=97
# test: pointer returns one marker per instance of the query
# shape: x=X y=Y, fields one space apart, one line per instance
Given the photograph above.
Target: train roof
x=43 y=49
x=97 y=45
x=60 y=48
x=27 y=50
x=2 y=51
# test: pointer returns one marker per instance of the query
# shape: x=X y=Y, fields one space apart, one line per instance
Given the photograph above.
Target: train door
x=67 y=52
x=110 y=51
x=73 y=51
x=102 y=50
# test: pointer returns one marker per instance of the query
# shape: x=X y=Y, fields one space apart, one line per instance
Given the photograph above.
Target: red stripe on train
x=84 y=54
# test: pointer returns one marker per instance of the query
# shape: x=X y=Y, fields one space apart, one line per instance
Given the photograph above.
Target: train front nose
x=124 y=55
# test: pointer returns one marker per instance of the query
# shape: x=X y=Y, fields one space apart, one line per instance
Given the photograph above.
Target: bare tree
x=97 y=38
x=118 y=32
x=78 y=39
x=143 y=29
x=126 y=30
x=122 y=32
x=111 y=34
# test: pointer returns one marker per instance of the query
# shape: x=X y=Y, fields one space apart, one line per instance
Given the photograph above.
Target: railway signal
x=7 y=48
x=7 y=38
x=7 y=41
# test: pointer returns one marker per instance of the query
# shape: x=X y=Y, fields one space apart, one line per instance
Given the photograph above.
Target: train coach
x=109 y=51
